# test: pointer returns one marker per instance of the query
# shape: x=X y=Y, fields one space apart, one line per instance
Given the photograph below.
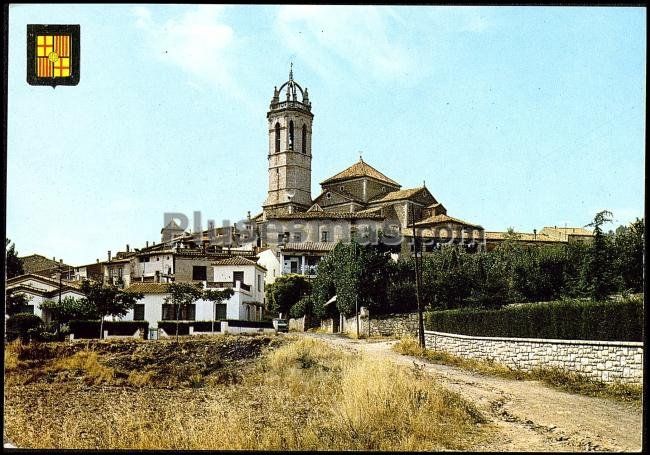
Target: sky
x=518 y=117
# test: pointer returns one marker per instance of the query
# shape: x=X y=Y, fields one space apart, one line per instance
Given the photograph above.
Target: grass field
x=285 y=393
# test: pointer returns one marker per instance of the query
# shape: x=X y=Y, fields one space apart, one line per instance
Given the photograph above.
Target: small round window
x=328 y=195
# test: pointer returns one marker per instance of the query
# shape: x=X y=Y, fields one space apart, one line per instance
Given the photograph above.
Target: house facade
x=244 y=276
x=39 y=288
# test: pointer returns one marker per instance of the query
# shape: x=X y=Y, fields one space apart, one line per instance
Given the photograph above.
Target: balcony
x=308 y=270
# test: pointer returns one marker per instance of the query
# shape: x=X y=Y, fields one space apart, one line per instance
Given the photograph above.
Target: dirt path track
x=528 y=415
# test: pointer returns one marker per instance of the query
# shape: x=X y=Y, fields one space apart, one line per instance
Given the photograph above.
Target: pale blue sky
x=514 y=116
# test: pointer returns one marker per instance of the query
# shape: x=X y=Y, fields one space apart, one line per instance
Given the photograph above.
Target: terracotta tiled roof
x=148 y=288
x=397 y=195
x=309 y=246
x=372 y=210
x=237 y=260
x=438 y=219
x=522 y=236
x=562 y=233
x=327 y=215
x=37 y=263
x=360 y=169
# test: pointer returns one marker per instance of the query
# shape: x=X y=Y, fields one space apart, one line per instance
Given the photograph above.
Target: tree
x=598 y=274
x=108 y=300
x=286 y=291
x=629 y=246
x=69 y=309
x=217 y=296
x=182 y=295
x=14 y=264
x=16 y=302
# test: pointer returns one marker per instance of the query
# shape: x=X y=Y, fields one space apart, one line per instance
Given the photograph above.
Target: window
x=280 y=238
x=144 y=259
x=304 y=139
x=220 y=311
x=290 y=134
x=323 y=236
x=328 y=195
x=237 y=276
x=138 y=312
x=259 y=282
x=277 y=138
x=199 y=272
x=296 y=236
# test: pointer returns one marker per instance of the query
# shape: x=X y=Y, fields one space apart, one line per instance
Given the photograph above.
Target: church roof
x=172 y=226
x=360 y=169
x=438 y=219
x=401 y=194
x=327 y=215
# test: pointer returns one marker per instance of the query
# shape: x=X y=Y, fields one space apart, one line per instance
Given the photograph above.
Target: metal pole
x=60 y=282
x=417 y=281
x=356 y=294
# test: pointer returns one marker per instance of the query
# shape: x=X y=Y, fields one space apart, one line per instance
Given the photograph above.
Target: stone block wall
x=606 y=361
x=398 y=325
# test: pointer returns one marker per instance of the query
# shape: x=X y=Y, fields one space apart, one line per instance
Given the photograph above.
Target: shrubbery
x=571 y=319
x=24 y=326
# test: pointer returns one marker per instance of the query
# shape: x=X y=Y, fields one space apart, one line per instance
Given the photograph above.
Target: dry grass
x=556 y=377
x=86 y=362
x=304 y=395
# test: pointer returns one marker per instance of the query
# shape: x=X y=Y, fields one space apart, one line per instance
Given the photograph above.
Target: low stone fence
x=606 y=361
x=297 y=324
x=398 y=325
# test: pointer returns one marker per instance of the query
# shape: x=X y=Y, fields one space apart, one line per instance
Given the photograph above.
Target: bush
x=206 y=326
x=90 y=329
x=254 y=324
x=568 y=319
x=24 y=326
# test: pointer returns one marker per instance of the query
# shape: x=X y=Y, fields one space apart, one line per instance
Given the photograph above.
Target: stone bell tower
x=289 y=121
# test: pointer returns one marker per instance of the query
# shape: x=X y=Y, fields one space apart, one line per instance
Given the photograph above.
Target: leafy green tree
x=182 y=295
x=629 y=247
x=14 y=264
x=69 y=309
x=108 y=300
x=304 y=306
x=598 y=274
x=286 y=291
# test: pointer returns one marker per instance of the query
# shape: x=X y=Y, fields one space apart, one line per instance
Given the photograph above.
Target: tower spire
x=291 y=71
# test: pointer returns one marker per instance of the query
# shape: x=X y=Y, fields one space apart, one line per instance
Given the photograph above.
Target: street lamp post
x=417 y=282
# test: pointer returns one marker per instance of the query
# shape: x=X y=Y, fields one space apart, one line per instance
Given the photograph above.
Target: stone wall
x=297 y=324
x=398 y=325
x=606 y=361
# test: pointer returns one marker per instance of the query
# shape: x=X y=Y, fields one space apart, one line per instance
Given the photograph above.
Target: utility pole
x=417 y=282
x=60 y=280
x=356 y=294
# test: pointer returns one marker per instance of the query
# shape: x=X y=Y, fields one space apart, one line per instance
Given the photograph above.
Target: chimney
x=54 y=258
x=535 y=233
x=249 y=215
x=60 y=261
x=127 y=247
x=97 y=260
x=109 y=255
x=147 y=244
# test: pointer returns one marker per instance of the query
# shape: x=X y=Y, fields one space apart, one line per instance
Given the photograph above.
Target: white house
x=269 y=260
x=40 y=288
x=244 y=276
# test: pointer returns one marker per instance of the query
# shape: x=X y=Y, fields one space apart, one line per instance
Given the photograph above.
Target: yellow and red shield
x=53 y=53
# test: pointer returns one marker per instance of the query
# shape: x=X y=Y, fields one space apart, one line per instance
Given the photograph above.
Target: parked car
x=281 y=325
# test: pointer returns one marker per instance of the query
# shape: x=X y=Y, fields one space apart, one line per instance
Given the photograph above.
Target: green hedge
x=24 y=326
x=170 y=327
x=90 y=329
x=569 y=320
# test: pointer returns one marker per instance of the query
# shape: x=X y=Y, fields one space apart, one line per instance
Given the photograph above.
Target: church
x=360 y=201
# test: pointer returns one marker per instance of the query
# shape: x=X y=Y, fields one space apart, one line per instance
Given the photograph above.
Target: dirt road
x=527 y=415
